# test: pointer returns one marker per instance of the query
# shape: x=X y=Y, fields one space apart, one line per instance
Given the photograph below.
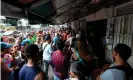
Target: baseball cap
x=4 y=45
x=26 y=41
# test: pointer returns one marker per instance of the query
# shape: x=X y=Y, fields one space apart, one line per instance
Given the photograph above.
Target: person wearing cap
x=31 y=71
x=5 y=48
x=7 y=57
x=29 y=37
x=47 y=52
x=25 y=43
x=6 y=61
x=117 y=70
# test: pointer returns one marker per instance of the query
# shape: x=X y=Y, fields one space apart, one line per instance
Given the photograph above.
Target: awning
x=11 y=11
x=42 y=12
x=36 y=12
x=44 y=9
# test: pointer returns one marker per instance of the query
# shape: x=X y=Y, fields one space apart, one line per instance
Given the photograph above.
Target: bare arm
x=40 y=76
x=4 y=67
x=98 y=77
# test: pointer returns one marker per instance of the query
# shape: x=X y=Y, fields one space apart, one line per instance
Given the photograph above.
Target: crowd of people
x=27 y=57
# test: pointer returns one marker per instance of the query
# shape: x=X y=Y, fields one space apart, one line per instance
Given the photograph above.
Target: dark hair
x=29 y=35
x=1 y=39
x=82 y=35
x=31 y=51
x=59 y=45
x=123 y=50
x=79 y=69
x=47 y=37
x=20 y=38
x=73 y=34
x=15 y=36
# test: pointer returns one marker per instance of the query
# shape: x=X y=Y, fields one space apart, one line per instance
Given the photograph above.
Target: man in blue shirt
x=55 y=39
x=47 y=54
x=120 y=54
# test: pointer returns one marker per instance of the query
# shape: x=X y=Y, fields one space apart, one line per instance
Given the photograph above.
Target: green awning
x=44 y=9
x=43 y=12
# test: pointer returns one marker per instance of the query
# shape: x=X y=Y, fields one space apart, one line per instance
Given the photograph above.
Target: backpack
x=127 y=69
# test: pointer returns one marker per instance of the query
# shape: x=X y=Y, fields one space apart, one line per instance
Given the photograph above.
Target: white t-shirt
x=47 y=51
x=19 y=57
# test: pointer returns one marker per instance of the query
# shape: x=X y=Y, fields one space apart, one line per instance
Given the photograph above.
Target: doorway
x=96 y=31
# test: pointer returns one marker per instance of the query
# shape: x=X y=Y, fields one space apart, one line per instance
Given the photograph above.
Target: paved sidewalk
x=50 y=73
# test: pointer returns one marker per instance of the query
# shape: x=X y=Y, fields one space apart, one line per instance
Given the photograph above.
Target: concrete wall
x=108 y=13
x=130 y=60
x=82 y=24
x=101 y=14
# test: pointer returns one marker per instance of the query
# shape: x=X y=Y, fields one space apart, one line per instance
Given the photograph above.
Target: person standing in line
x=17 y=54
x=39 y=42
x=64 y=35
x=31 y=71
x=10 y=40
x=120 y=69
x=61 y=61
x=82 y=57
x=7 y=61
x=5 y=54
x=47 y=52
x=55 y=39
x=19 y=40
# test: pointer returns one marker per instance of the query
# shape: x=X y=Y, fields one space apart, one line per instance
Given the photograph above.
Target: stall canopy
x=51 y=11
x=35 y=10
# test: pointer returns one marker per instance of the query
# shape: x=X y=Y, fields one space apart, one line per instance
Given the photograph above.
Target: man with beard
x=119 y=70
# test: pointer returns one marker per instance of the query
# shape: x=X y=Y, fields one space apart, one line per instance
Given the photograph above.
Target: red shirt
x=64 y=36
x=61 y=63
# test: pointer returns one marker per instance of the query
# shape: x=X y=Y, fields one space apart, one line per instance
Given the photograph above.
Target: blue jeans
x=56 y=78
